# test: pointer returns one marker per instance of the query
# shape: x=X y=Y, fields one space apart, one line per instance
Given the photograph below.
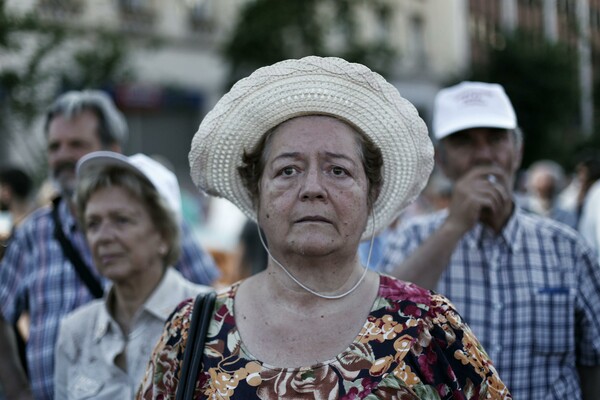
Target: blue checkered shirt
x=36 y=276
x=531 y=295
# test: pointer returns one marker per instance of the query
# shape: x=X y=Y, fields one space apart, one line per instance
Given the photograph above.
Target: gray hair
x=551 y=168
x=518 y=134
x=112 y=125
x=160 y=212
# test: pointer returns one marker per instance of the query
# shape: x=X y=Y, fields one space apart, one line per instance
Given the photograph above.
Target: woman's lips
x=313 y=218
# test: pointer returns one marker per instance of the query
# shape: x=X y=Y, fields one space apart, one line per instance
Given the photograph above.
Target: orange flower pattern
x=414 y=345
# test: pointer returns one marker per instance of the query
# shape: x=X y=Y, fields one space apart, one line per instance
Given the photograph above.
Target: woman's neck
x=129 y=297
x=325 y=276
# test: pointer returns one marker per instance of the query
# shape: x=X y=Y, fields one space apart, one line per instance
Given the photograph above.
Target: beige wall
x=437 y=45
x=430 y=36
x=431 y=50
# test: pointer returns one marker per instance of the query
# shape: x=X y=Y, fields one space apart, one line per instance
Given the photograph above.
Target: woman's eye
x=338 y=171
x=91 y=225
x=122 y=220
x=288 y=171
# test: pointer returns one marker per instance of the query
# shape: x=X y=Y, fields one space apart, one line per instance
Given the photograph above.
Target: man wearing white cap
x=529 y=287
x=48 y=267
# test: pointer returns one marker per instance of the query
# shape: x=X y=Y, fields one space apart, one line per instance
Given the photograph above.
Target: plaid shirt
x=36 y=276
x=531 y=295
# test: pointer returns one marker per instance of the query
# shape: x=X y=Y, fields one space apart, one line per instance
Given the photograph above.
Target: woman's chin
x=315 y=246
x=114 y=273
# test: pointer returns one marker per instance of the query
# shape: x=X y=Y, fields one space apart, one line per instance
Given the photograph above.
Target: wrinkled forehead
x=321 y=124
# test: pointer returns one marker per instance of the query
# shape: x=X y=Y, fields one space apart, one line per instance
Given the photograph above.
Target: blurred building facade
x=554 y=20
x=178 y=80
x=575 y=23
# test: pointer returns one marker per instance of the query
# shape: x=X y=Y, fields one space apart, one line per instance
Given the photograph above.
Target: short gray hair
x=112 y=127
x=518 y=134
x=550 y=168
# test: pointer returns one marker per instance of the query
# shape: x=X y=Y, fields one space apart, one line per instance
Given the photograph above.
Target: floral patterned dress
x=413 y=345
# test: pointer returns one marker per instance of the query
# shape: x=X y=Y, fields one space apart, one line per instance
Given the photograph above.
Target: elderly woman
x=130 y=210
x=322 y=153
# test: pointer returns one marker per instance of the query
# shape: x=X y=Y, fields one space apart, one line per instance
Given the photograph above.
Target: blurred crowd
x=216 y=245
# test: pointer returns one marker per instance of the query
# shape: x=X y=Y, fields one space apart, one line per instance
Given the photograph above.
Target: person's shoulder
x=80 y=323
x=37 y=222
x=178 y=322
x=185 y=287
x=414 y=300
x=416 y=228
x=183 y=311
x=84 y=314
x=423 y=221
x=545 y=227
x=396 y=290
x=36 y=219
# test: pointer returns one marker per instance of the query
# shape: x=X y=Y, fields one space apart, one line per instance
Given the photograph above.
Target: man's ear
x=518 y=157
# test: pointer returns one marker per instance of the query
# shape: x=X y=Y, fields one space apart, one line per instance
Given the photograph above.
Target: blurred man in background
x=47 y=269
x=528 y=286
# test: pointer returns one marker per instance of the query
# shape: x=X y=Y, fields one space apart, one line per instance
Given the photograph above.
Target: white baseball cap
x=472 y=105
x=161 y=178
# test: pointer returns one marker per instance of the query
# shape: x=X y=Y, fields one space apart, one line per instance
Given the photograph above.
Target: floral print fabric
x=413 y=345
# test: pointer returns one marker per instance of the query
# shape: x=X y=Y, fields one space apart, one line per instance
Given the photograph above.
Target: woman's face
x=124 y=241
x=313 y=190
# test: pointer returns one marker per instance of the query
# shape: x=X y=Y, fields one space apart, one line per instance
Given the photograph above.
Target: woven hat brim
x=314 y=86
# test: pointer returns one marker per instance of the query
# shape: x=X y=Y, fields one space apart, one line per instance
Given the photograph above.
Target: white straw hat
x=160 y=177
x=472 y=105
x=314 y=86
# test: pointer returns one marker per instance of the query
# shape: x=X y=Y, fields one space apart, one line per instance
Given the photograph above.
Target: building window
x=383 y=14
x=566 y=7
x=60 y=8
x=201 y=14
x=594 y=18
x=416 y=42
x=133 y=6
x=137 y=14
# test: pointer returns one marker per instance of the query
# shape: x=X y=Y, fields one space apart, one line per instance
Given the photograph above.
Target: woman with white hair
x=321 y=153
x=130 y=210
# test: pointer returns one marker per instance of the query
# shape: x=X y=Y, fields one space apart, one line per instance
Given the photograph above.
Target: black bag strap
x=194 y=349
x=73 y=255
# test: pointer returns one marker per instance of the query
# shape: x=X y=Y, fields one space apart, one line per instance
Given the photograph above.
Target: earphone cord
x=325 y=296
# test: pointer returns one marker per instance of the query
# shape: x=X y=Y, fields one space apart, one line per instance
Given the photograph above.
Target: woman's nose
x=312 y=186
x=102 y=232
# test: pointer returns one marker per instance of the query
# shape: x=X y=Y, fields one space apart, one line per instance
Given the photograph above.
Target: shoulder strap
x=83 y=271
x=194 y=349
